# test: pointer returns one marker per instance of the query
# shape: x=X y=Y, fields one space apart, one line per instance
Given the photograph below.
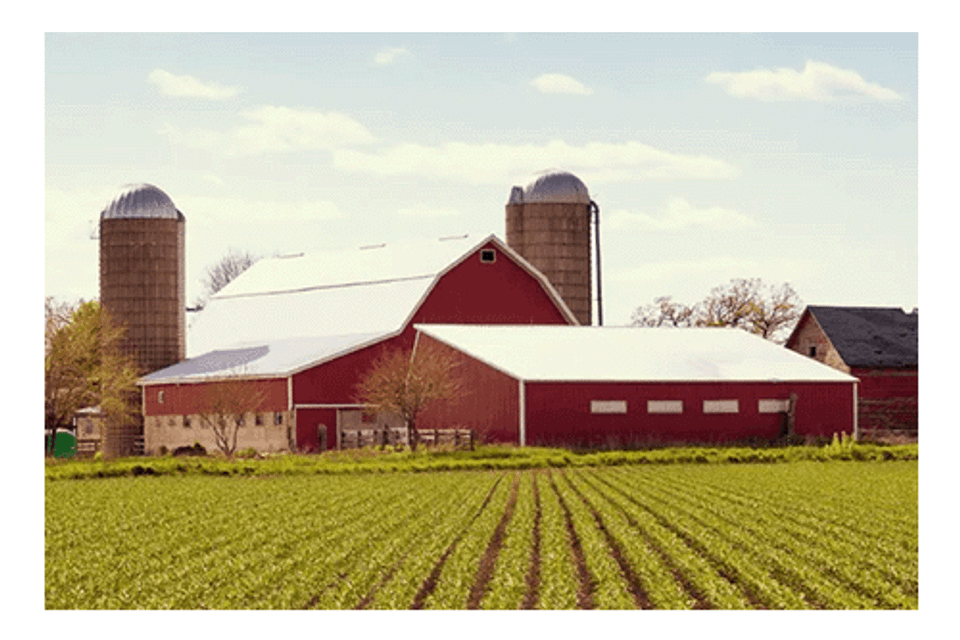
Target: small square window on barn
x=813 y=351
x=488 y=256
x=664 y=406
x=773 y=406
x=160 y=397
x=721 y=406
x=608 y=406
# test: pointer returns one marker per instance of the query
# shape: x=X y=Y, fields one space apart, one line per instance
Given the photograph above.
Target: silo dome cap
x=553 y=186
x=141 y=201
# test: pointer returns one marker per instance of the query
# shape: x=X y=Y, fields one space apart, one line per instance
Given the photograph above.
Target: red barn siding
x=501 y=292
x=559 y=413
x=489 y=403
x=183 y=399
x=888 y=398
x=308 y=436
x=472 y=292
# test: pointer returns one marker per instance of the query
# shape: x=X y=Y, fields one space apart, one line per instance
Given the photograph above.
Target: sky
x=787 y=157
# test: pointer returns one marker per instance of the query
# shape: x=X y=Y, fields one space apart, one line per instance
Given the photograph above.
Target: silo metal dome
x=557 y=186
x=141 y=201
x=142 y=275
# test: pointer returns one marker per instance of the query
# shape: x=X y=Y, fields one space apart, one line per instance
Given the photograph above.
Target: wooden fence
x=357 y=438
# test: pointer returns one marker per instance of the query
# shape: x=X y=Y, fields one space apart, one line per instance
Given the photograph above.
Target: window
x=279 y=418
x=664 y=406
x=258 y=419
x=773 y=406
x=160 y=397
x=721 y=406
x=608 y=406
x=813 y=351
x=488 y=256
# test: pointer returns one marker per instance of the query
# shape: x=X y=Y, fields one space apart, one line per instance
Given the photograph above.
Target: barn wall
x=172 y=431
x=175 y=422
x=888 y=399
x=488 y=403
x=501 y=292
x=307 y=432
x=471 y=293
x=184 y=399
x=560 y=413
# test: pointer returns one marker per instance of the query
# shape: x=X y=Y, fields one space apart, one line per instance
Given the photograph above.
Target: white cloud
x=818 y=81
x=679 y=215
x=426 y=211
x=276 y=130
x=559 y=83
x=390 y=55
x=189 y=87
x=215 y=211
x=594 y=163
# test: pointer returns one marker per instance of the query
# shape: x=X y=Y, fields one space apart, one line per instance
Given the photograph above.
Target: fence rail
x=357 y=438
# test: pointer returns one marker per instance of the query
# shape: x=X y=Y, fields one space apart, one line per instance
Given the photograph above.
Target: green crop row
x=808 y=535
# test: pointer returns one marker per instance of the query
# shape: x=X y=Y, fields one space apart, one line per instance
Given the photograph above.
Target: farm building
x=292 y=336
x=284 y=346
x=615 y=386
x=879 y=346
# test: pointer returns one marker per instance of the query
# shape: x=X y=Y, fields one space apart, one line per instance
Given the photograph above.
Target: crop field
x=806 y=535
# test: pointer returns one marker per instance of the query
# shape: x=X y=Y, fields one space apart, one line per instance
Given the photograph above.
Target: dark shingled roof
x=871 y=336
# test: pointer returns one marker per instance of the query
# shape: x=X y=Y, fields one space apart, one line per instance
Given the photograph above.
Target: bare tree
x=663 y=311
x=766 y=310
x=223 y=408
x=223 y=272
x=406 y=382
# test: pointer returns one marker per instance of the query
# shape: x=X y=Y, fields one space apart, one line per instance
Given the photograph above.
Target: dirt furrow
x=489 y=559
x=533 y=575
x=585 y=592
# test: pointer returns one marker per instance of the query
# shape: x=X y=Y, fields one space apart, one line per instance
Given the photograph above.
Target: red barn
x=877 y=345
x=299 y=332
x=590 y=386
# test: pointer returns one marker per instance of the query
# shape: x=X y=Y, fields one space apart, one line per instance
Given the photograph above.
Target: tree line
x=766 y=310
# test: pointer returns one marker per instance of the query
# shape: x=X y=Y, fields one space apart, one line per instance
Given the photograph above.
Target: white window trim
x=721 y=406
x=608 y=406
x=664 y=406
x=772 y=405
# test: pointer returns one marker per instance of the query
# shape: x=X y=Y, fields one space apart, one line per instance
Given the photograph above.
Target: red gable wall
x=472 y=292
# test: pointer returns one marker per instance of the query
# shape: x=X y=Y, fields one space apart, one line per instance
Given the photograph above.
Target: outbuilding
x=877 y=345
x=621 y=386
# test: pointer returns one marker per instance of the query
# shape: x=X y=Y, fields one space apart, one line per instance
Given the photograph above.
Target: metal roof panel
x=625 y=354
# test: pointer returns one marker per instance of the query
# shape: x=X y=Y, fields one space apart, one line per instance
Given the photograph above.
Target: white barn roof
x=284 y=314
x=631 y=354
x=360 y=290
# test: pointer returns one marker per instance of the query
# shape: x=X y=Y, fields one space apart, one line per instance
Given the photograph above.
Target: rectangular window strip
x=773 y=406
x=721 y=406
x=664 y=406
x=608 y=406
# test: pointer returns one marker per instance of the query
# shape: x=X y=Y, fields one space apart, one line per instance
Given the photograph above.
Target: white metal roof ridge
x=322 y=286
x=627 y=354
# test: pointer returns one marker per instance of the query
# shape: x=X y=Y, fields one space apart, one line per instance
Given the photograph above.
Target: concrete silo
x=142 y=275
x=548 y=223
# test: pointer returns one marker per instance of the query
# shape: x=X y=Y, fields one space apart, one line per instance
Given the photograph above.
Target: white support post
x=523 y=415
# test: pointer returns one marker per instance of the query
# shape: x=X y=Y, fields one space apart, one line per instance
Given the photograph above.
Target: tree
x=405 y=382
x=766 y=310
x=223 y=408
x=85 y=365
x=223 y=272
